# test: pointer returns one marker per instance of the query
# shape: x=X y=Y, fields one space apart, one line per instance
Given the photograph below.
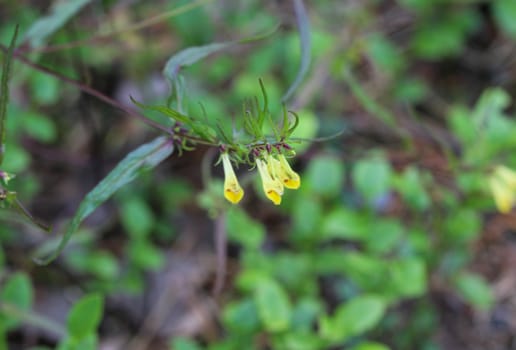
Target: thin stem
x=88 y=90
x=221 y=251
x=32 y=318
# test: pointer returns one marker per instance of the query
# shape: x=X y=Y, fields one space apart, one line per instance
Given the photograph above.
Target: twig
x=221 y=251
x=33 y=319
x=89 y=90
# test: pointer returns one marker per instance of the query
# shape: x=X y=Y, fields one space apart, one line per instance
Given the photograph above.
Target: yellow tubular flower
x=272 y=187
x=232 y=190
x=507 y=175
x=504 y=198
x=288 y=176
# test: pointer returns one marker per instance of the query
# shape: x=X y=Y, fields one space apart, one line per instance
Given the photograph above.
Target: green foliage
x=474 y=290
x=16 y=293
x=352 y=318
x=82 y=323
x=142 y=159
x=325 y=176
x=504 y=11
x=372 y=178
x=85 y=317
x=243 y=230
x=4 y=92
x=387 y=213
x=48 y=25
x=273 y=305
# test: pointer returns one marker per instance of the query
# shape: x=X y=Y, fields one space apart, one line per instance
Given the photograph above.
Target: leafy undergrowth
x=396 y=118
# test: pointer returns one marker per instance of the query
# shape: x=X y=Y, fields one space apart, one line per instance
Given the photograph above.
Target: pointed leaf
x=143 y=158
x=85 y=316
x=62 y=11
x=191 y=55
x=169 y=112
x=4 y=93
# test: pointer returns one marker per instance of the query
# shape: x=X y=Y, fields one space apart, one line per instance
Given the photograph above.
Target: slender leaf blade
x=144 y=158
x=61 y=12
x=4 y=94
x=190 y=56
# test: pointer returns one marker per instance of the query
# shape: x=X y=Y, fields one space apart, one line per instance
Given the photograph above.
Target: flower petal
x=232 y=190
x=272 y=187
x=507 y=175
x=289 y=177
x=503 y=196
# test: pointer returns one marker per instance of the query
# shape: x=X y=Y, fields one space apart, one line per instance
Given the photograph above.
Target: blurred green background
x=393 y=240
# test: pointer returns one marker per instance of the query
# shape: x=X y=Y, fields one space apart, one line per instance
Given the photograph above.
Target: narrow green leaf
x=142 y=159
x=293 y=126
x=169 y=112
x=85 y=316
x=4 y=93
x=303 y=24
x=61 y=12
x=191 y=55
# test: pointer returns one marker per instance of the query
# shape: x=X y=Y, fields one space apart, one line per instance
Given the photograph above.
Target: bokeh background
x=393 y=240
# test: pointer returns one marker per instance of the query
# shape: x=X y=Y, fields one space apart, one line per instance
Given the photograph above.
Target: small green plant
x=385 y=219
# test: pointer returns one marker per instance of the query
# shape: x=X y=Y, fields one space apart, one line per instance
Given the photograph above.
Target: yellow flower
x=288 y=177
x=508 y=176
x=272 y=186
x=232 y=190
x=503 y=186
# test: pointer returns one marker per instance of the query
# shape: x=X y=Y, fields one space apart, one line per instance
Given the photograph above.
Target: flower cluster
x=274 y=170
x=503 y=186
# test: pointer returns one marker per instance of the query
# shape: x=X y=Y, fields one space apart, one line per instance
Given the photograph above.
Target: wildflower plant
x=246 y=144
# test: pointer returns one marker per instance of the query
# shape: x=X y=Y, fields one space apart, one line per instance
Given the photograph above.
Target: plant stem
x=89 y=90
x=32 y=318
